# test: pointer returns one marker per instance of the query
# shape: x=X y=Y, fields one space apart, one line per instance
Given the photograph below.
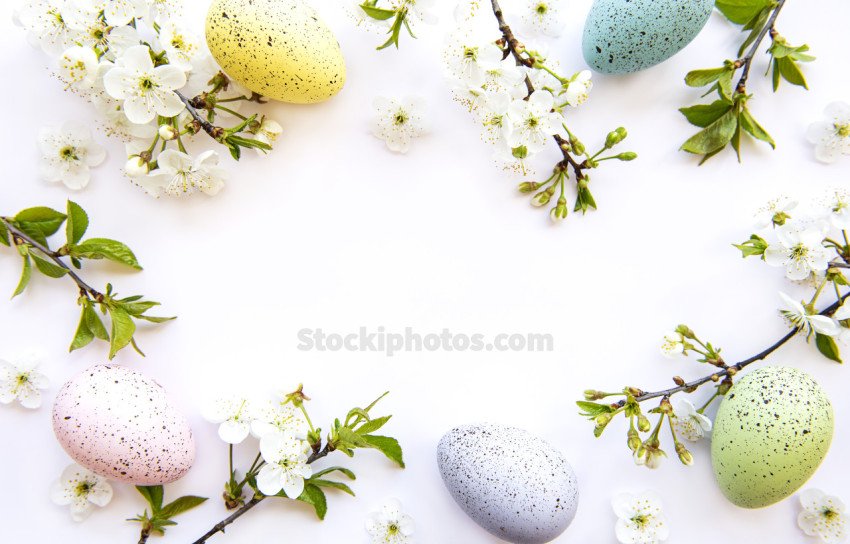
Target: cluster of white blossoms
x=140 y=68
x=489 y=82
x=281 y=430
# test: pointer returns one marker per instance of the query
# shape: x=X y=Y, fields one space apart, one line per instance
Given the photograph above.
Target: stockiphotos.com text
x=390 y=343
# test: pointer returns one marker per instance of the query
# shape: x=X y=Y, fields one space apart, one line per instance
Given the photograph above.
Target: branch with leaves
x=161 y=516
x=812 y=247
x=283 y=467
x=28 y=232
x=726 y=120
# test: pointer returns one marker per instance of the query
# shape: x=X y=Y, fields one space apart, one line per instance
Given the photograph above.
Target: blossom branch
x=214 y=132
x=746 y=62
x=222 y=525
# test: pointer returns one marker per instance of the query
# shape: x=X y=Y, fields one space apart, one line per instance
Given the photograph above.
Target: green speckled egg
x=278 y=48
x=771 y=433
x=624 y=36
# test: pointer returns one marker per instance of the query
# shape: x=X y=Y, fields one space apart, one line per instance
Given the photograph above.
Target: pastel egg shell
x=511 y=483
x=625 y=36
x=118 y=423
x=772 y=431
x=280 y=49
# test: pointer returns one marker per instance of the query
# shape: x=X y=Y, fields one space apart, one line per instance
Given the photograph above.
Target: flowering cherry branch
x=283 y=466
x=806 y=249
x=727 y=119
x=28 y=232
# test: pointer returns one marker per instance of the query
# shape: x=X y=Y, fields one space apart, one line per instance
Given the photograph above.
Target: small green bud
x=665 y=406
x=633 y=441
x=593 y=394
x=643 y=423
x=612 y=139
x=684 y=455
x=528 y=186
x=520 y=152
x=627 y=156
x=603 y=419
x=578 y=147
x=559 y=212
x=686 y=331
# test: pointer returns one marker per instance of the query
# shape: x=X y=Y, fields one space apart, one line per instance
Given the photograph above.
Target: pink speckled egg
x=118 y=423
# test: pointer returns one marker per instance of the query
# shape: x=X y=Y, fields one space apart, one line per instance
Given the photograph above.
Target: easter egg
x=513 y=484
x=118 y=423
x=772 y=431
x=624 y=36
x=280 y=49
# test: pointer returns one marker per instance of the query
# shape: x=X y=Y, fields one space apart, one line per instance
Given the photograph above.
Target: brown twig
x=746 y=62
x=213 y=131
x=19 y=237
x=144 y=535
x=730 y=371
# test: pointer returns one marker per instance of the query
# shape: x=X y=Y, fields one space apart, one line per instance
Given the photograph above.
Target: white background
x=334 y=231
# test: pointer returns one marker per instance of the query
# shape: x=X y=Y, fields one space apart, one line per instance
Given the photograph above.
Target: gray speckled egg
x=513 y=484
x=118 y=423
x=771 y=433
x=278 y=48
x=624 y=36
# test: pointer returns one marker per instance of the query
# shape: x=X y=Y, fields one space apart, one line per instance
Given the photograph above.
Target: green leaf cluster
x=398 y=15
x=161 y=517
x=29 y=232
x=357 y=431
x=314 y=493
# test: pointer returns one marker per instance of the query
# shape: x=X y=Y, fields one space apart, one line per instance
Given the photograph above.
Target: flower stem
x=213 y=131
x=222 y=525
x=747 y=61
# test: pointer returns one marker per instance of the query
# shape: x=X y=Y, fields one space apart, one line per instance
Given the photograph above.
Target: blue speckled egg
x=513 y=484
x=625 y=36
x=771 y=433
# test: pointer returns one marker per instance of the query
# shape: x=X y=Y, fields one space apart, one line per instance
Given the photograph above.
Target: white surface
x=333 y=231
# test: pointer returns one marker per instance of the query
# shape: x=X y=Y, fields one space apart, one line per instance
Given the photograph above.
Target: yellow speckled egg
x=771 y=433
x=280 y=49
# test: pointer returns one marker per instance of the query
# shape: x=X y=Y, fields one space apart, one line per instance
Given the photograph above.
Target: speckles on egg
x=624 y=36
x=119 y=423
x=277 y=48
x=513 y=484
x=771 y=433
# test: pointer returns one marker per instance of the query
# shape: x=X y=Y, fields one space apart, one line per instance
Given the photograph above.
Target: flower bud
x=612 y=139
x=528 y=186
x=627 y=156
x=665 y=406
x=603 y=419
x=559 y=212
x=167 y=132
x=542 y=198
x=136 y=166
x=643 y=423
x=678 y=380
x=633 y=441
x=593 y=394
x=686 y=331
x=684 y=455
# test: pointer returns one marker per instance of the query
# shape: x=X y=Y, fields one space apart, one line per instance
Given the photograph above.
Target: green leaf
x=95 y=324
x=828 y=348
x=351 y=438
x=394 y=31
x=593 y=409
x=331 y=470
x=751 y=126
x=775 y=76
x=701 y=78
x=78 y=222
x=791 y=72
x=45 y=220
x=178 y=506
x=34 y=232
x=26 y=274
x=373 y=425
x=755 y=26
x=314 y=496
x=123 y=329
x=741 y=11
x=48 y=268
x=84 y=335
x=155 y=319
x=152 y=494
x=755 y=246
x=386 y=445
x=332 y=484
x=714 y=137
x=4 y=234
x=138 y=308
x=104 y=248
x=703 y=115
x=379 y=14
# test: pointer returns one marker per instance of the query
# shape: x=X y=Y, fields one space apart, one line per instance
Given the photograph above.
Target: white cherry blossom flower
x=494 y=118
x=286 y=465
x=116 y=123
x=823 y=516
x=81 y=489
x=398 y=121
x=178 y=174
x=145 y=90
x=233 y=416
x=533 y=121
x=543 y=17
x=799 y=317
x=121 y=38
x=278 y=417
x=673 y=345
x=122 y=12
x=79 y=67
x=689 y=423
x=267 y=132
x=799 y=249
x=578 y=89
x=831 y=136
x=180 y=46
x=390 y=525
x=776 y=212
x=469 y=60
x=20 y=380
x=640 y=518
x=46 y=23
x=420 y=10
x=838 y=209
x=505 y=76
x=67 y=153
